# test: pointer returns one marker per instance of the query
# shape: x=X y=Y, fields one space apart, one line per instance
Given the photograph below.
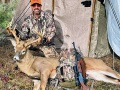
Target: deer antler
x=12 y=31
x=37 y=41
x=9 y=26
x=10 y=23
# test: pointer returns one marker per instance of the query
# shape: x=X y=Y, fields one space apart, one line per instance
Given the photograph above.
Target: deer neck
x=27 y=61
x=28 y=57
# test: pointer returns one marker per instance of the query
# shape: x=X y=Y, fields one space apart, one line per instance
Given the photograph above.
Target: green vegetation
x=6 y=12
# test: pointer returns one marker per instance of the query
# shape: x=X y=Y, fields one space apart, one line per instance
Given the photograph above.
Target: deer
x=33 y=66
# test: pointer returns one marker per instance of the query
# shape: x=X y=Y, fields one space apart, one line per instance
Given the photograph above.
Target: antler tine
x=9 y=26
x=39 y=34
x=37 y=41
x=10 y=30
x=17 y=38
x=10 y=23
x=43 y=33
x=15 y=27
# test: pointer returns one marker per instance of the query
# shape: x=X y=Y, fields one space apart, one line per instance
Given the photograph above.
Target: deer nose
x=16 y=58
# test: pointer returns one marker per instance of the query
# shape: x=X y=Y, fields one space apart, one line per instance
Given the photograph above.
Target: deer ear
x=29 y=46
x=12 y=41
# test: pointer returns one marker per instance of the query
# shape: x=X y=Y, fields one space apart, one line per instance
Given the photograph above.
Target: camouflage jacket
x=44 y=24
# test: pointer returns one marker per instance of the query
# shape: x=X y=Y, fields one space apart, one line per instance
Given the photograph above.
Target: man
x=38 y=20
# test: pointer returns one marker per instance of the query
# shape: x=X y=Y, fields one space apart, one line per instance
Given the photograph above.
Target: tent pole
x=91 y=25
x=53 y=3
x=113 y=61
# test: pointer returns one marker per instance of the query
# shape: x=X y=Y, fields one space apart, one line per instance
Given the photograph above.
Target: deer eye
x=23 y=52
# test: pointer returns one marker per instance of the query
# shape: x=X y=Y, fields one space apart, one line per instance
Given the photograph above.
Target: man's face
x=36 y=8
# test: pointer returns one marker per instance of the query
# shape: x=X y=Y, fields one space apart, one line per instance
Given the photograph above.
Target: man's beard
x=37 y=12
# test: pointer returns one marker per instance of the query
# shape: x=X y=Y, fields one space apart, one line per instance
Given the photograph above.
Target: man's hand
x=49 y=39
x=44 y=41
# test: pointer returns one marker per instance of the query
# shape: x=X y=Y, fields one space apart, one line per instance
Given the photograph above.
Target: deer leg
x=36 y=84
x=44 y=78
x=111 y=80
x=97 y=75
x=111 y=73
x=53 y=74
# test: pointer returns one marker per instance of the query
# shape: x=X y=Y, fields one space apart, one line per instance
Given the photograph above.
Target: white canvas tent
x=113 y=24
x=73 y=23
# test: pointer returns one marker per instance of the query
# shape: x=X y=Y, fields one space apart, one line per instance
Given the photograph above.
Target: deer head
x=22 y=46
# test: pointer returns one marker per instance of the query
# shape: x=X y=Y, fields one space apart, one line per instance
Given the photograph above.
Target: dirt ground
x=11 y=78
